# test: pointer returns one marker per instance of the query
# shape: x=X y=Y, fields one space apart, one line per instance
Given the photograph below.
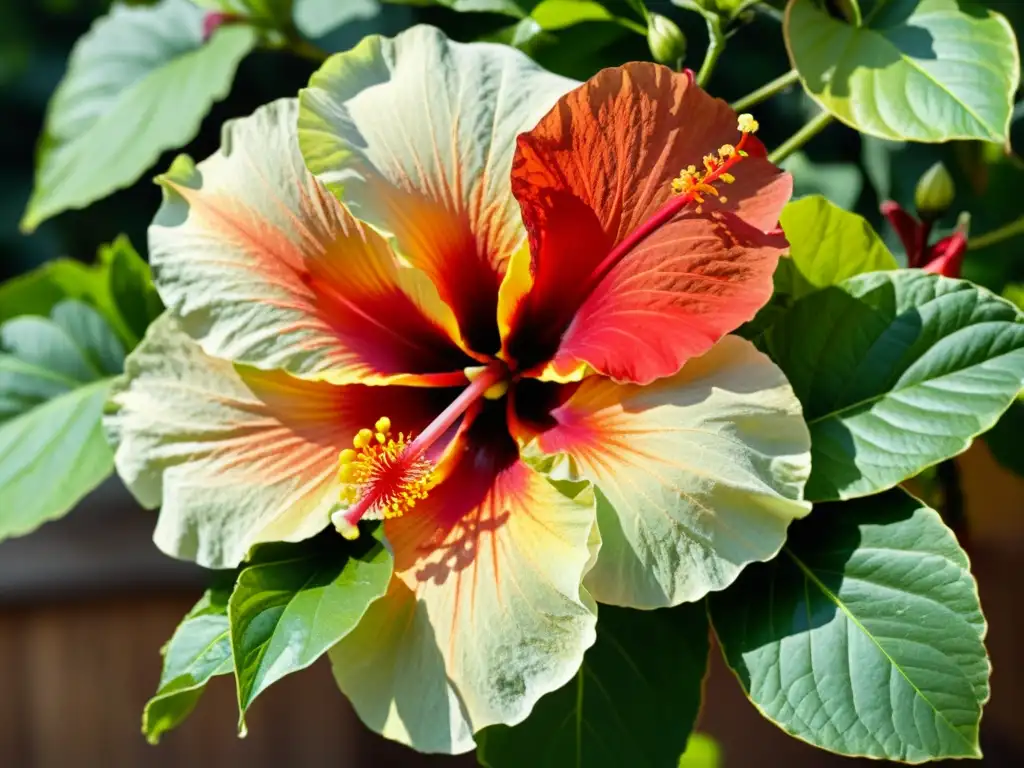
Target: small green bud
x=667 y=41
x=935 y=192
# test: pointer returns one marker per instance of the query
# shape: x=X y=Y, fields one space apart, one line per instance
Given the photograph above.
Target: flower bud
x=216 y=19
x=666 y=39
x=935 y=192
x=946 y=257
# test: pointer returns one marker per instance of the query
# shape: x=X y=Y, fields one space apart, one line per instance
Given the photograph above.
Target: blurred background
x=86 y=602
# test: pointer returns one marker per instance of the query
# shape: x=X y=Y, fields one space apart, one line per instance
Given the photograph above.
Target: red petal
x=594 y=169
x=947 y=256
x=910 y=231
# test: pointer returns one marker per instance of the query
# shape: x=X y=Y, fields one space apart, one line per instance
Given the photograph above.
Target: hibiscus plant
x=510 y=392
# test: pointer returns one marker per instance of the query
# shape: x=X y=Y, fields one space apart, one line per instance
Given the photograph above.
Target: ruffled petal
x=265 y=267
x=595 y=168
x=234 y=455
x=416 y=134
x=697 y=475
x=487 y=612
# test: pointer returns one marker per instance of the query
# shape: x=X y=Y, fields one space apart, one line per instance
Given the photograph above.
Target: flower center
x=383 y=476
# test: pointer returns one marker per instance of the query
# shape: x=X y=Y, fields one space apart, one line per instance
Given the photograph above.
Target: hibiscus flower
x=491 y=305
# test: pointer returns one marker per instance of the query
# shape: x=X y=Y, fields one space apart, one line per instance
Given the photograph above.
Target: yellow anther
x=747 y=123
x=728 y=178
x=691 y=169
x=362 y=439
x=379 y=470
x=723 y=199
x=726 y=151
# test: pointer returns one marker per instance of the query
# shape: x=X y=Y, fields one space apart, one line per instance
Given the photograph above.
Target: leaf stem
x=801 y=137
x=305 y=49
x=633 y=26
x=1004 y=232
x=766 y=91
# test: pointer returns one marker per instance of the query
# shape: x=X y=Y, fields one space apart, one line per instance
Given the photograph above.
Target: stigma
x=694 y=184
x=380 y=477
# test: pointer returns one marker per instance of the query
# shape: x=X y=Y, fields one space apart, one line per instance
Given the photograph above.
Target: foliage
x=862 y=636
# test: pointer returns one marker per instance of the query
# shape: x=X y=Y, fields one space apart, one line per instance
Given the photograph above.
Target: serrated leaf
x=138 y=83
x=920 y=70
x=828 y=245
x=55 y=374
x=896 y=371
x=633 y=702
x=296 y=601
x=864 y=636
x=199 y=649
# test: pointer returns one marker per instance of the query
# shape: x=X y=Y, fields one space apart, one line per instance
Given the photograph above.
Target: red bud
x=946 y=257
x=216 y=19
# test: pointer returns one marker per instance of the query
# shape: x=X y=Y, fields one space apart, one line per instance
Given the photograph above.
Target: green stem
x=716 y=44
x=1005 y=232
x=772 y=13
x=766 y=91
x=634 y=26
x=801 y=137
x=306 y=50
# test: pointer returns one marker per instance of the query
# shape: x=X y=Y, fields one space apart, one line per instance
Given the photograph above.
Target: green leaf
x=921 y=70
x=841 y=183
x=199 y=649
x=506 y=7
x=55 y=374
x=864 y=636
x=293 y=602
x=39 y=291
x=138 y=83
x=119 y=287
x=315 y=18
x=828 y=245
x=896 y=371
x=559 y=14
x=702 y=751
x=133 y=300
x=633 y=702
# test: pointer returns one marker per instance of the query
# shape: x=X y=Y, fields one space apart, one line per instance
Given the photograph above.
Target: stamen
x=693 y=184
x=690 y=186
x=384 y=476
x=378 y=467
